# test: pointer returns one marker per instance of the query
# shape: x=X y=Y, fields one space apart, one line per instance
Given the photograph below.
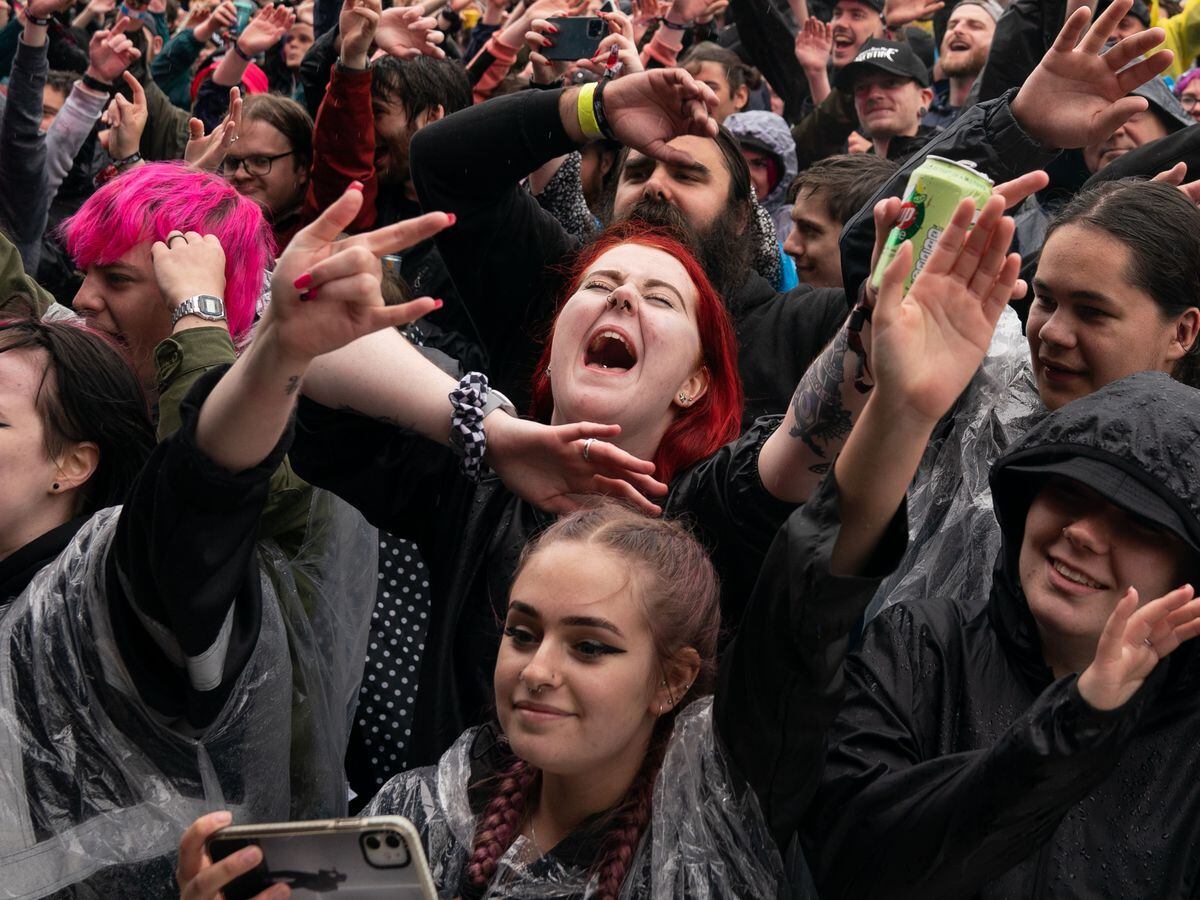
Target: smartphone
x=608 y=7
x=360 y=859
x=245 y=9
x=577 y=38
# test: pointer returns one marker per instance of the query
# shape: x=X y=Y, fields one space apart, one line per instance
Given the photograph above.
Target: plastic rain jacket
x=953 y=535
x=759 y=128
x=961 y=768
x=95 y=787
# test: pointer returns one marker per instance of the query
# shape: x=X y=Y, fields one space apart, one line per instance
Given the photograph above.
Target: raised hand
x=711 y=11
x=325 y=292
x=405 y=33
x=1176 y=175
x=539 y=37
x=266 y=29
x=649 y=109
x=856 y=143
x=898 y=13
x=188 y=264
x=545 y=464
x=357 y=24
x=927 y=344
x=222 y=17
x=126 y=120
x=1133 y=642
x=620 y=37
x=44 y=9
x=110 y=52
x=199 y=878
x=207 y=152
x=1076 y=96
x=814 y=42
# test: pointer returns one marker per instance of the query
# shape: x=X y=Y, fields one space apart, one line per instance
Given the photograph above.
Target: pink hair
x=149 y=202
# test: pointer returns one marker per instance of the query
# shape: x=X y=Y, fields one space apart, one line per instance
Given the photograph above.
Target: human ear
x=693 y=388
x=431 y=115
x=741 y=97
x=1187 y=329
x=76 y=465
x=678 y=676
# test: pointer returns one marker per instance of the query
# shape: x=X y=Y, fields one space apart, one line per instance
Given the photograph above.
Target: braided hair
x=682 y=602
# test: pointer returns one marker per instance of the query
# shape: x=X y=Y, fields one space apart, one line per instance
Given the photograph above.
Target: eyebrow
x=578 y=621
x=1041 y=287
x=120 y=268
x=643 y=163
x=616 y=275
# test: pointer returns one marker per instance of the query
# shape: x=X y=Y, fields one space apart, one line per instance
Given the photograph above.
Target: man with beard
x=964 y=50
x=505 y=252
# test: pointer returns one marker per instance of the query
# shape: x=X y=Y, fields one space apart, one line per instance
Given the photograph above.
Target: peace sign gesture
x=1077 y=96
x=325 y=292
x=1133 y=642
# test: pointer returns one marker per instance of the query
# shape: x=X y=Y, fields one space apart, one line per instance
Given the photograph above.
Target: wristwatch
x=206 y=306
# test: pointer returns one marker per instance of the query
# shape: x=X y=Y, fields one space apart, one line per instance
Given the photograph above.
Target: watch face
x=211 y=306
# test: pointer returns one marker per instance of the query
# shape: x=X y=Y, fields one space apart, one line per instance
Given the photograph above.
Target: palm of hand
x=643 y=117
x=315 y=327
x=260 y=34
x=398 y=36
x=932 y=344
x=812 y=47
x=1072 y=90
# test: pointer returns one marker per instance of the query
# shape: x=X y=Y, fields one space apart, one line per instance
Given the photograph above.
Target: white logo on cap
x=877 y=53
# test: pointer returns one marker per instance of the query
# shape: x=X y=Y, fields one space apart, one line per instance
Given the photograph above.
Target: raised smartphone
x=577 y=38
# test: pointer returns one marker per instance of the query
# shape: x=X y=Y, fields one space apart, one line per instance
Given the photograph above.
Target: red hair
x=712 y=421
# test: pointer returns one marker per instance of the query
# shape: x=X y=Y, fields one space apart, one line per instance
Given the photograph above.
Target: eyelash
x=599 y=285
x=588 y=650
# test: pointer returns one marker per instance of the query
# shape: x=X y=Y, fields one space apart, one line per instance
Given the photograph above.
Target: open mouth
x=1074 y=575
x=1054 y=372
x=959 y=45
x=842 y=41
x=611 y=350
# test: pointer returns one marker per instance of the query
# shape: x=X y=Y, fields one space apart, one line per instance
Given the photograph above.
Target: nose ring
x=612 y=302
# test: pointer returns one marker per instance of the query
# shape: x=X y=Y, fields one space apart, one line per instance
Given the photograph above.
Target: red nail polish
x=438 y=304
x=303 y=281
x=356 y=186
x=554 y=29
x=452 y=217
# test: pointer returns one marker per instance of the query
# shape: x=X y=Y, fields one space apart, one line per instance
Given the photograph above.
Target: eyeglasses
x=1187 y=101
x=255 y=165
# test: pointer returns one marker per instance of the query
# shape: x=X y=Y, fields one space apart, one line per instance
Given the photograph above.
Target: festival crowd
x=405 y=413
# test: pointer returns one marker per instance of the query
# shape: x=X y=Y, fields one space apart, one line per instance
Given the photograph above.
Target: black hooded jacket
x=961 y=768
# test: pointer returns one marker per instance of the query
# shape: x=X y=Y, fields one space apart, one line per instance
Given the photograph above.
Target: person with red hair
x=636 y=394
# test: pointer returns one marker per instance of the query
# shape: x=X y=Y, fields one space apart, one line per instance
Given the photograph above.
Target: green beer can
x=933 y=193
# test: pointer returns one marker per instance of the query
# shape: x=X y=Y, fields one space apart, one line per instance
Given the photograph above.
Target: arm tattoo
x=293 y=385
x=817 y=403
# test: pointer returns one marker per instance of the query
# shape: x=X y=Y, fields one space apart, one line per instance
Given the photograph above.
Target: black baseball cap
x=1139 y=11
x=892 y=57
x=876 y=5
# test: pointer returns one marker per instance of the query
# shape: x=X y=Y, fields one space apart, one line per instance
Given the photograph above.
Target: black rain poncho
x=960 y=767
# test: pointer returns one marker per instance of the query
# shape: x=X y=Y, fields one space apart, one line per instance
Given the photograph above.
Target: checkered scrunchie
x=466 y=422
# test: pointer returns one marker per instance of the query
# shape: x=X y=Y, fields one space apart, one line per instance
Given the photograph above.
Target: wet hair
x=88 y=392
x=847 y=182
x=1160 y=227
x=420 y=84
x=151 y=201
x=737 y=73
x=680 y=593
x=287 y=117
x=714 y=419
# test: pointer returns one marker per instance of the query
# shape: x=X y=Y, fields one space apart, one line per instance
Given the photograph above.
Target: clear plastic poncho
x=96 y=789
x=707 y=837
x=953 y=535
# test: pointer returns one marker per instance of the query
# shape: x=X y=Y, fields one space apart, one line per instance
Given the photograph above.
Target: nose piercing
x=612 y=302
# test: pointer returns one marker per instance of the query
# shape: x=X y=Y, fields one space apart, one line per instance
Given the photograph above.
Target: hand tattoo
x=817 y=403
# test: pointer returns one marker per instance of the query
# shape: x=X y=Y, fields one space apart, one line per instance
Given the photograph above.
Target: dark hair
x=287 y=117
x=848 y=181
x=61 y=81
x=88 y=392
x=681 y=597
x=1161 y=229
x=736 y=71
x=420 y=84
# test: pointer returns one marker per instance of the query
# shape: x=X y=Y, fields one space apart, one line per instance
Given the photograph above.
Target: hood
x=765 y=131
x=1146 y=427
x=1163 y=101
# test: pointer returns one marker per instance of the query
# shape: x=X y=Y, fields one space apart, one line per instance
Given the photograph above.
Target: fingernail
x=452 y=217
x=356 y=186
x=554 y=29
x=309 y=295
x=303 y=281
x=248 y=854
x=223 y=818
x=438 y=304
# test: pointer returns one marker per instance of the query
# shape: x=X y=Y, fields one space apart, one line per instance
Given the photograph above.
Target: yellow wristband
x=587 y=114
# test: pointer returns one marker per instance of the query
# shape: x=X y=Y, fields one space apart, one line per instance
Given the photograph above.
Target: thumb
x=195 y=129
x=1112 y=118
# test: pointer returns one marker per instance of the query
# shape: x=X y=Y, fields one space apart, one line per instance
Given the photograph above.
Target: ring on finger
x=587 y=448
x=1149 y=643
x=173 y=236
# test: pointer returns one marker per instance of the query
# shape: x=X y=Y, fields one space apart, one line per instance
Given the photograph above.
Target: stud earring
x=54 y=487
x=684 y=399
x=547 y=370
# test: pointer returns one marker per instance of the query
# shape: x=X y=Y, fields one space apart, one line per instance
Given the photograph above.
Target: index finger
x=401 y=235
x=1105 y=24
x=135 y=87
x=191 y=845
x=1021 y=187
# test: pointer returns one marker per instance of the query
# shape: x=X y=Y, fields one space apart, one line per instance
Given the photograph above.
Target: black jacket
x=505 y=253
x=471 y=537
x=961 y=768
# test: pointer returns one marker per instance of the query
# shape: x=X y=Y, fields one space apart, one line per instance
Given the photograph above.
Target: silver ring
x=587 y=448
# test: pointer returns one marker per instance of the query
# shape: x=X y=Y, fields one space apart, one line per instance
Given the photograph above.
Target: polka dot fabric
x=389 y=688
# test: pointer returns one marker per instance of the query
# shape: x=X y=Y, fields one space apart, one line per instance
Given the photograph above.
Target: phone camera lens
x=372 y=842
x=392 y=841
x=595 y=29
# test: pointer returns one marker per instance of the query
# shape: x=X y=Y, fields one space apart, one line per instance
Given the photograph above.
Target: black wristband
x=240 y=52
x=34 y=20
x=667 y=23
x=598 y=110
x=95 y=84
